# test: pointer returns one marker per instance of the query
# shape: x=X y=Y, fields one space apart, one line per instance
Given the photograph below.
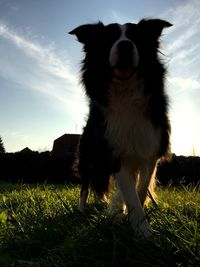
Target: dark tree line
x=34 y=167
x=2 y=148
x=180 y=170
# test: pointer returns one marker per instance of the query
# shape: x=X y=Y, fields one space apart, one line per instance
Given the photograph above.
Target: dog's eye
x=112 y=33
x=131 y=35
x=132 y=31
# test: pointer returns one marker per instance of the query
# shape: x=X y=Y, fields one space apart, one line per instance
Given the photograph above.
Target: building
x=26 y=150
x=65 y=145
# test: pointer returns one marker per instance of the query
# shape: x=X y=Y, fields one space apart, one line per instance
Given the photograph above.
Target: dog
x=128 y=128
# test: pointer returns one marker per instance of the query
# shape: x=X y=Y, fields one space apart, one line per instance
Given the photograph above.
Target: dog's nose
x=125 y=54
x=125 y=46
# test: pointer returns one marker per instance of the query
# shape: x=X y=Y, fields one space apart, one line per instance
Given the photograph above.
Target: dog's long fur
x=127 y=130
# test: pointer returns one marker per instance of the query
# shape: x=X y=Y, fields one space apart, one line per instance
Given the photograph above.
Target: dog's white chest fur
x=128 y=129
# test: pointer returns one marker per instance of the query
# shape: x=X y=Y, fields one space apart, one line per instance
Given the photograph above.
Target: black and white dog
x=127 y=130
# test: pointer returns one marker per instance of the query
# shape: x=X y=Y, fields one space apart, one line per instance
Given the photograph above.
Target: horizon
x=41 y=97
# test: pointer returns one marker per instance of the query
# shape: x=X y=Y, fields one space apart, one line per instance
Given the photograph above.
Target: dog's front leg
x=83 y=199
x=127 y=186
x=117 y=207
x=146 y=182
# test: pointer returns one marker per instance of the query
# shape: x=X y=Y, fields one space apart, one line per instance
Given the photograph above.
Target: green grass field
x=41 y=226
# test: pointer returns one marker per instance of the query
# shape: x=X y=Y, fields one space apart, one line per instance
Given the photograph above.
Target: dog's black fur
x=96 y=158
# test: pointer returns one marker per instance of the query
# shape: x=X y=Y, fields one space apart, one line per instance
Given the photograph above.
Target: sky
x=41 y=97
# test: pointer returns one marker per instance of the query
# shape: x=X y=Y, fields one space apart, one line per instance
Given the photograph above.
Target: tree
x=2 y=149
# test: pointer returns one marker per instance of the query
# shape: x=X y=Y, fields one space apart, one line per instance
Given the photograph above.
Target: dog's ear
x=154 y=27
x=88 y=32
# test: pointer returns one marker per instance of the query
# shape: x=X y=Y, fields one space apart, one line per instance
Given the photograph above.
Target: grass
x=41 y=226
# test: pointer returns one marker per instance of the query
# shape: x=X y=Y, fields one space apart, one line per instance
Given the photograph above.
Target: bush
x=179 y=170
x=34 y=167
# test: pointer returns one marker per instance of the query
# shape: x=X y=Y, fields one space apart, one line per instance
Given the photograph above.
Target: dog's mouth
x=123 y=73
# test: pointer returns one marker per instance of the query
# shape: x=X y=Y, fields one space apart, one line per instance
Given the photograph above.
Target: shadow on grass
x=74 y=239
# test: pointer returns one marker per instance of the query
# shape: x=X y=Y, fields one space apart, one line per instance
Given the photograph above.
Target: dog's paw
x=140 y=227
x=143 y=229
x=120 y=218
x=116 y=213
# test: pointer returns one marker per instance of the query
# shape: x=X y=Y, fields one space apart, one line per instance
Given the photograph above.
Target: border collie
x=128 y=129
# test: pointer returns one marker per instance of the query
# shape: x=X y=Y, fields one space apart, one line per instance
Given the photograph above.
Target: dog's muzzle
x=124 y=59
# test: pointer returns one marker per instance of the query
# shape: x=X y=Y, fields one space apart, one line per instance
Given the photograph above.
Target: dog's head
x=122 y=48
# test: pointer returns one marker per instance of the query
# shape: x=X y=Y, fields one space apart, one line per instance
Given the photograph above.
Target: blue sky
x=40 y=94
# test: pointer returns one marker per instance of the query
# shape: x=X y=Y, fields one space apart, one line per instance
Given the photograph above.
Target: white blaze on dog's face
x=119 y=50
x=123 y=57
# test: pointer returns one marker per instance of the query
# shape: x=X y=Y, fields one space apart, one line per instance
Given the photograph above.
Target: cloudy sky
x=40 y=94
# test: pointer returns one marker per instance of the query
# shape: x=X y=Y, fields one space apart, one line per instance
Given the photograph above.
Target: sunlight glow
x=184 y=139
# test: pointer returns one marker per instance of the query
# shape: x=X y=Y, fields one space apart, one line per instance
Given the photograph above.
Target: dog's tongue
x=123 y=73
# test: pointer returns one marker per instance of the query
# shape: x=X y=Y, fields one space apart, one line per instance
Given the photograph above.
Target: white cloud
x=183 y=12
x=183 y=45
x=186 y=54
x=183 y=37
x=49 y=74
x=186 y=24
x=183 y=79
x=184 y=83
x=45 y=56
